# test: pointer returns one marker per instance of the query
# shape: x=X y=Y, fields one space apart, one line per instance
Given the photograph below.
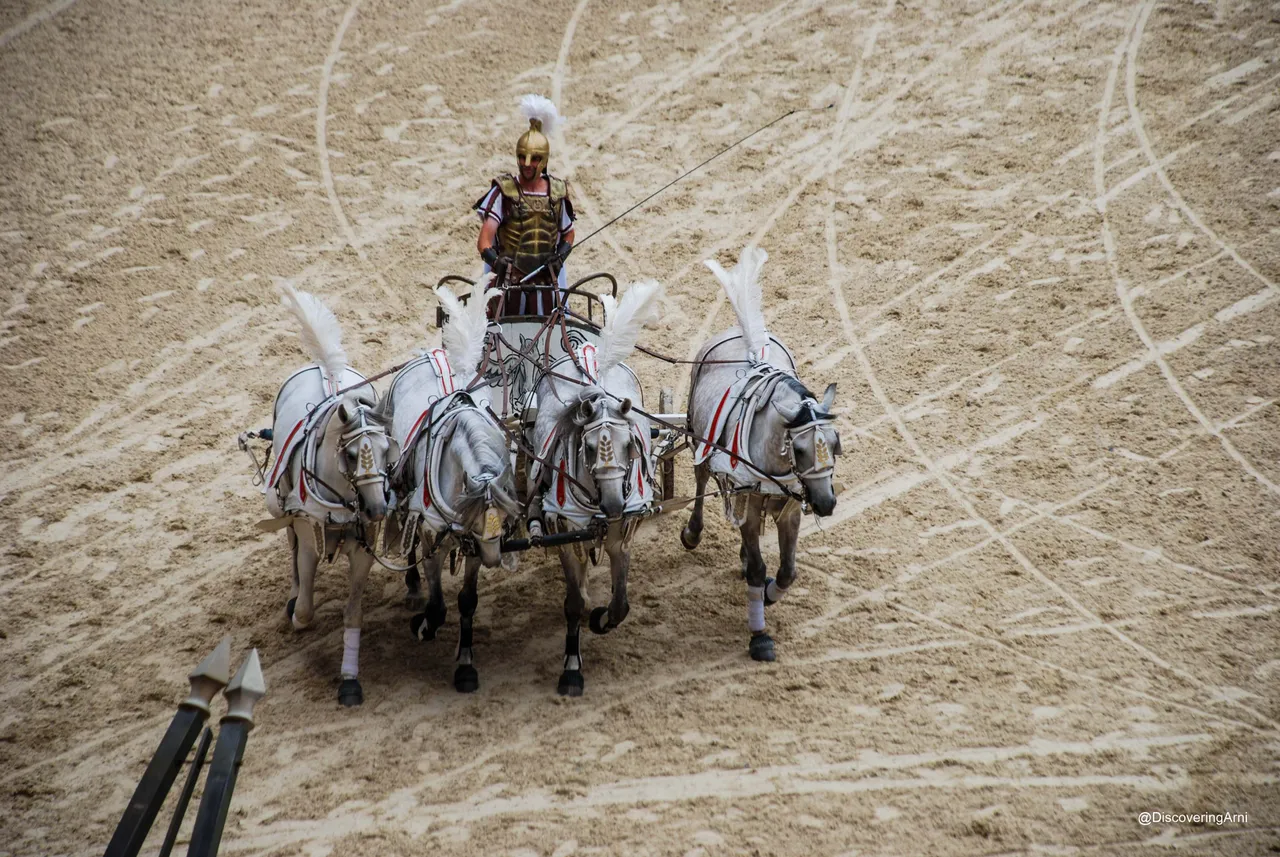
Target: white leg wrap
x=351 y=653
x=755 y=608
x=773 y=591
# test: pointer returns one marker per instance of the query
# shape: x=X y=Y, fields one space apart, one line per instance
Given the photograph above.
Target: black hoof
x=690 y=539
x=349 y=693
x=598 y=621
x=762 y=648
x=571 y=683
x=466 y=679
x=290 y=607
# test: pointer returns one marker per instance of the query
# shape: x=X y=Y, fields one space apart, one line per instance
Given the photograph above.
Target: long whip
x=683 y=175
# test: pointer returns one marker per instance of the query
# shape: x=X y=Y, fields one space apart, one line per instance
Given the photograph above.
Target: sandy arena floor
x=1034 y=242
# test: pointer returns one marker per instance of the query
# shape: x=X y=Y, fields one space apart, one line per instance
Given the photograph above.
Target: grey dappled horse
x=772 y=426
x=454 y=479
x=330 y=475
x=600 y=469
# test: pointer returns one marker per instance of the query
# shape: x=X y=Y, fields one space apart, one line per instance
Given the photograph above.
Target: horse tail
x=623 y=321
x=742 y=287
x=320 y=333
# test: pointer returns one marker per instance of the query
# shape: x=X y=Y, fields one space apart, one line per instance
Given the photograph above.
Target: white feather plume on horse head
x=742 y=286
x=463 y=333
x=623 y=321
x=544 y=110
x=320 y=332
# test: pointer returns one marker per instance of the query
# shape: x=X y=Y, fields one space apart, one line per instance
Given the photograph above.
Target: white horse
x=601 y=466
x=454 y=480
x=778 y=445
x=329 y=480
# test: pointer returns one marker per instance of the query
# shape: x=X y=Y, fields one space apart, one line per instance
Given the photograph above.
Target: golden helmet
x=533 y=144
x=543 y=120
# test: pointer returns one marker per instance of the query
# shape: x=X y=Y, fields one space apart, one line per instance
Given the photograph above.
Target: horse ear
x=582 y=414
x=343 y=413
x=625 y=406
x=829 y=398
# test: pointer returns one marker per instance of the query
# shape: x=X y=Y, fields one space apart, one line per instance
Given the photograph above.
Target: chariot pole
x=242 y=695
x=206 y=679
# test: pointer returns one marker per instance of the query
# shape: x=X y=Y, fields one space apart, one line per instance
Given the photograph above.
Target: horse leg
x=424 y=625
x=753 y=569
x=349 y=692
x=301 y=607
x=619 y=565
x=465 y=677
x=413 y=582
x=575 y=591
x=788 y=537
x=691 y=535
x=293 y=580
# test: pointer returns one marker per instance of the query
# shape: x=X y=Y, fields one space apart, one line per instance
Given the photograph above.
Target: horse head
x=810 y=441
x=487 y=488
x=365 y=454
x=606 y=447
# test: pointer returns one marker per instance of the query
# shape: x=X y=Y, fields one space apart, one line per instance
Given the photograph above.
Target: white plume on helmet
x=542 y=109
x=742 y=287
x=463 y=334
x=623 y=321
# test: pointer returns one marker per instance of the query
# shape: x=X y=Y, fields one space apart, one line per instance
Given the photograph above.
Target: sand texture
x=1035 y=243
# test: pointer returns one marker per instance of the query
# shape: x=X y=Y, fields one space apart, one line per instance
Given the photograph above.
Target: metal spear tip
x=245 y=690
x=209 y=676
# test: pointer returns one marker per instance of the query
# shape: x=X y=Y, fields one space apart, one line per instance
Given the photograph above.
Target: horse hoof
x=768 y=602
x=350 y=693
x=466 y=679
x=598 y=621
x=762 y=648
x=421 y=628
x=571 y=683
x=689 y=538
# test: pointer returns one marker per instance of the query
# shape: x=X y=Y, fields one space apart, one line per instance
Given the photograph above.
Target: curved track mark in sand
x=322 y=142
x=940 y=475
x=1124 y=294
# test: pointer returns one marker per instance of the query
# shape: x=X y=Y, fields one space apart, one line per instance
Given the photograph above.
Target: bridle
x=366 y=471
x=607 y=465
x=824 y=462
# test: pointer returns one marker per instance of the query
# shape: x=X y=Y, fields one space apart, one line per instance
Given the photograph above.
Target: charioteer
x=526 y=220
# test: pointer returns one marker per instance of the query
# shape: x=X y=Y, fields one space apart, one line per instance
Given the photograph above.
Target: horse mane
x=742 y=287
x=808 y=412
x=486 y=455
x=320 y=333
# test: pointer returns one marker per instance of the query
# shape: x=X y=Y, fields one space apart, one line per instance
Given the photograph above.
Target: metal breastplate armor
x=530 y=227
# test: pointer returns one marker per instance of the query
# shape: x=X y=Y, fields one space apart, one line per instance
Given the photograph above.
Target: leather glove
x=563 y=251
x=490 y=256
